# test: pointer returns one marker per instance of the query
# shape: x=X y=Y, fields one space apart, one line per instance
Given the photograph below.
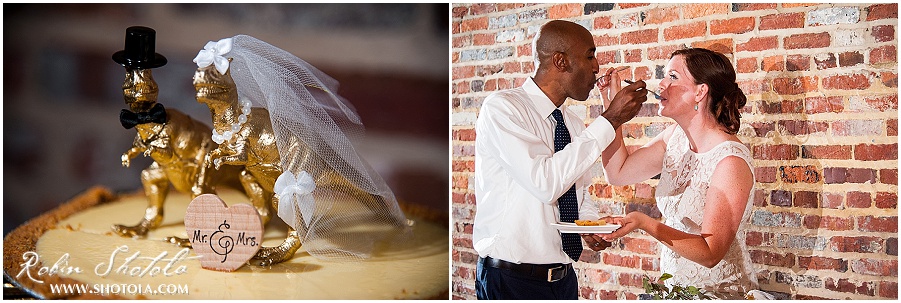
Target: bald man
x=530 y=169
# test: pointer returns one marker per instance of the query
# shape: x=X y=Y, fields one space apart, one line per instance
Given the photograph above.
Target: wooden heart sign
x=224 y=237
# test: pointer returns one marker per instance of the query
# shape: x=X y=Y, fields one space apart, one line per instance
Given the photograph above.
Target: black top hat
x=139 y=49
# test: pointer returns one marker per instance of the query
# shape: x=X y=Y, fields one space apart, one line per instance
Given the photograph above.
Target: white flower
x=213 y=53
x=287 y=187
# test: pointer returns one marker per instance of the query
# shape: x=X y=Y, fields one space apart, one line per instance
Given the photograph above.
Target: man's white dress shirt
x=518 y=177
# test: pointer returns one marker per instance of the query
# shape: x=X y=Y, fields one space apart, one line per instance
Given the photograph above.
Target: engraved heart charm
x=224 y=237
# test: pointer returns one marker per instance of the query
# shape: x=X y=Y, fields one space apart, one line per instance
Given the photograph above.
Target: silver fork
x=652 y=92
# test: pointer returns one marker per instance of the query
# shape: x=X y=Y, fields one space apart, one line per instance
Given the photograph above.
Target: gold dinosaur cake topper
x=176 y=142
x=292 y=153
x=279 y=119
x=250 y=145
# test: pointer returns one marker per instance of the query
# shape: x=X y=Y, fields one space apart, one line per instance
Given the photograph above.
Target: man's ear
x=560 y=62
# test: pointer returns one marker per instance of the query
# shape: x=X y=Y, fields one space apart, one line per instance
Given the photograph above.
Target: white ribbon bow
x=213 y=53
x=288 y=186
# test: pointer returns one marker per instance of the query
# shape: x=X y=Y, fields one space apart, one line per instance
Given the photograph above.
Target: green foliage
x=659 y=291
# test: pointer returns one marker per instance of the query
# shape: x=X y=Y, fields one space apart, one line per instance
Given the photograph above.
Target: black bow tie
x=156 y=114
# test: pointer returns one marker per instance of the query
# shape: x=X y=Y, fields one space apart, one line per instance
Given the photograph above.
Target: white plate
x=572 y=228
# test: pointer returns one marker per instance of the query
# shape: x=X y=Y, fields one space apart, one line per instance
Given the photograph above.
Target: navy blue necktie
x=568 y=207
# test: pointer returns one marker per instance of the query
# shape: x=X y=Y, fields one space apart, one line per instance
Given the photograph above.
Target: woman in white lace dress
x=706 y=178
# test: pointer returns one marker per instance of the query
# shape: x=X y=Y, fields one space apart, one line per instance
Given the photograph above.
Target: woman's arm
x=727 y=198
x=622 y=167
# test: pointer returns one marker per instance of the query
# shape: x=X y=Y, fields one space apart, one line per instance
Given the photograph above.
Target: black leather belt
x=550 y=272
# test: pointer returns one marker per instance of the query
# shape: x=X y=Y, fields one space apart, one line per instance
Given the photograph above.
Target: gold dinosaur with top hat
x=176 y=142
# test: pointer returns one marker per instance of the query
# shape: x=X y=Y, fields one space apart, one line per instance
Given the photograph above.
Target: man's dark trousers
x=501 y=284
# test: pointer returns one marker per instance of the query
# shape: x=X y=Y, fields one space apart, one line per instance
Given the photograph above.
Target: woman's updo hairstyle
x=715 y=70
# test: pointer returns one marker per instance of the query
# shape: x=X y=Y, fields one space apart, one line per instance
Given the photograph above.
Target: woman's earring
x=696 y=107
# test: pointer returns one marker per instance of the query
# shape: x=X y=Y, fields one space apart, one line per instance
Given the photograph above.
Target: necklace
x=229 y=133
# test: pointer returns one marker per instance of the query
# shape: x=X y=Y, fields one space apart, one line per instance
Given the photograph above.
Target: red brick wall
x=821 y=122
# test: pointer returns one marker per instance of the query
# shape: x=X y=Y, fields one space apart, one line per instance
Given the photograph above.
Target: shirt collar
x=542 y=103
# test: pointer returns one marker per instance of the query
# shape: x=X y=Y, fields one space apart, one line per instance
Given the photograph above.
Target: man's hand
x=595 y=242
x=626 y=104
x=609 y=84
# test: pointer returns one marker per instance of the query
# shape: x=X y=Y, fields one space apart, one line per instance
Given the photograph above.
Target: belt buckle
x=550 y=274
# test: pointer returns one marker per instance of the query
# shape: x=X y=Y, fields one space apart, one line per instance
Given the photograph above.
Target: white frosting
x=417 y=268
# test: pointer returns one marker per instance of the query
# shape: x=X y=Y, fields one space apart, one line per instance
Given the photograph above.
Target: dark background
x=62 y=91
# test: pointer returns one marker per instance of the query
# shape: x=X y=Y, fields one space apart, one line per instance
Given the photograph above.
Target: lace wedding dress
x=681 y=195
